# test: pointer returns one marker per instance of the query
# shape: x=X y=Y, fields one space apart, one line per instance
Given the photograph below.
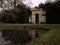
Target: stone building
x=38 y=16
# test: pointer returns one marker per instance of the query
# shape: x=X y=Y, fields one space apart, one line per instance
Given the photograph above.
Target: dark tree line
x=18 y=15
x=52 y=12
x=17 y=11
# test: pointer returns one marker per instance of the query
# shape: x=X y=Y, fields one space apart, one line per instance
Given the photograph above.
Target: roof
x=36 y=8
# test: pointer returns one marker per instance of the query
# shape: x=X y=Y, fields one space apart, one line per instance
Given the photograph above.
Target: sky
x=34 y=3
x=37 y=2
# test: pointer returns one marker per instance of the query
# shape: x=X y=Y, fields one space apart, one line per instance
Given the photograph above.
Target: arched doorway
x=37 y=18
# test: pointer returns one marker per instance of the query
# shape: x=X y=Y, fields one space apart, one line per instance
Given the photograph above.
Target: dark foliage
x=18 y=15
x=52 y=12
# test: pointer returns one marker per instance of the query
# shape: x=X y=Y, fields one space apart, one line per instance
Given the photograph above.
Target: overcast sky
x=34 y=3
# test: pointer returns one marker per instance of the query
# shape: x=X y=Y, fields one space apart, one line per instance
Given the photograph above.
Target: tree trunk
x=14 y=4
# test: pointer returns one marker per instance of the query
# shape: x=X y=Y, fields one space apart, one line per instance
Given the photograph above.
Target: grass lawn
x=49 y=26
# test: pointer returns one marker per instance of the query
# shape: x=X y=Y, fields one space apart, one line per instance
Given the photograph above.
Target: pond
x=19 y=36
x=13 y=36
x=2 y=41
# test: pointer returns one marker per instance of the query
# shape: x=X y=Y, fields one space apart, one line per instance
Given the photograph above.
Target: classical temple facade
x=38 y=16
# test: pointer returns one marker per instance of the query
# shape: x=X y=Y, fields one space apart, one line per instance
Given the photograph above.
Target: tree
x=19 y=15
x=42 y=5
x=52 y=12
x=14 y=4
x=9 y=17
x=24 y=13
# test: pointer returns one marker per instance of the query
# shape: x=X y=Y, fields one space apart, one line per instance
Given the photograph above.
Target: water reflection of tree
x=16 y=36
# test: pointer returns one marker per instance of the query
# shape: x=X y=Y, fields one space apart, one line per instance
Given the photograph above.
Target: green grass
x=49 y=26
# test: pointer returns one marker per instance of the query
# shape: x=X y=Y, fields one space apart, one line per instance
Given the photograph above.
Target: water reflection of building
x=38 y=16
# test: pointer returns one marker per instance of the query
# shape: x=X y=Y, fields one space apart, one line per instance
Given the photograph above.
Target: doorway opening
x=37 y=18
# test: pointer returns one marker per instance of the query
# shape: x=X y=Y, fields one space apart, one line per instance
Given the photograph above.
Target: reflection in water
x=2 y=41
x=15 y=35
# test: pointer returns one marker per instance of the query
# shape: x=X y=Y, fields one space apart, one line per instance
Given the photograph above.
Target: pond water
x=2 y=41
x=4 y=33
x=17 y=32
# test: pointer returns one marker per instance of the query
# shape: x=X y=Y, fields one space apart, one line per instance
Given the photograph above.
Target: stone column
x=39 y=18
x=44 y=19
x=30 y=19
x=33 y=19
